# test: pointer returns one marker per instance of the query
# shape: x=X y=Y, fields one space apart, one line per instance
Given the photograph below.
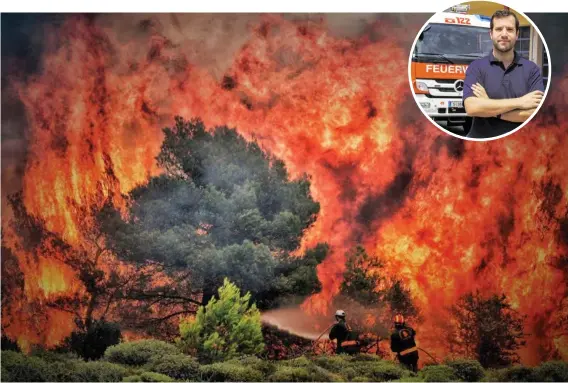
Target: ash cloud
x=207 y=40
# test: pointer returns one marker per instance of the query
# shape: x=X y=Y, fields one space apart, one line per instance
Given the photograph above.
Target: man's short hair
x=501 y=13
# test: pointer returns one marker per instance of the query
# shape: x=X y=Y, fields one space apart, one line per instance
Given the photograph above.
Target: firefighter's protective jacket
x=342 y=332
x=402 y=340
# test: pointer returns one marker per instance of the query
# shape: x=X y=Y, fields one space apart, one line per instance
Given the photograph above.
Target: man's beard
x=509 y=47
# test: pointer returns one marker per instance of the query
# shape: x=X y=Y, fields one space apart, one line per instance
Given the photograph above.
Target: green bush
x=297 y=362
x=382 y=371
x=132 y=378
x=360 y=379
x=468 y=370
x=409 y=379
x=17 y=367
x=99 y=372
x=226 y=328
x=178 y=366
x=295 y=369
x=349 y=373
x=438 y=373
x=494 y=375
x=517 y=374
x=303 y=374
x=91 y=344
x=264 y=366
x=139 y=352
x=64 y=371
x=290 y=374
x=334 y=363
x=229 y=372
x=50 y=356
x=552 y=371
x=366 y=358
x=154 y=377
x=377 y=369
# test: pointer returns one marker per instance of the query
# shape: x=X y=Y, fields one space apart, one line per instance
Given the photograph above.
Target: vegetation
x=487 y=329
x=227 y=327
x=18 y=367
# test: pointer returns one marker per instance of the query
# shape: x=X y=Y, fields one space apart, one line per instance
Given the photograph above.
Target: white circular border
x=491 y=138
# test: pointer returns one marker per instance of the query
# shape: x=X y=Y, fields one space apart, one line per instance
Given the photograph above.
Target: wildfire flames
x=447 y=217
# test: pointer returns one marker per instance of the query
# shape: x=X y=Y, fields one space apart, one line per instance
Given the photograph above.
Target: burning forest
x=151 y=156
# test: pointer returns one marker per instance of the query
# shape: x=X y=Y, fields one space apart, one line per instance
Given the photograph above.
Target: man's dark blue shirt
x=523 y=76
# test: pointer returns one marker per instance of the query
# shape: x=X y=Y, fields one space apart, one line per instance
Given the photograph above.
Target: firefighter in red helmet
x=404 y=344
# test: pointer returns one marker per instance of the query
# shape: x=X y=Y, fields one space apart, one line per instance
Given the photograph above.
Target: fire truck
x=446 y=46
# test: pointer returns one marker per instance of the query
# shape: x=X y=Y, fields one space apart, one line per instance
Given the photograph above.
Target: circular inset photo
x=479 y=70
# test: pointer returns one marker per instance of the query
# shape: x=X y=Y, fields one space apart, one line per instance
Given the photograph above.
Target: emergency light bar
x=462 y=8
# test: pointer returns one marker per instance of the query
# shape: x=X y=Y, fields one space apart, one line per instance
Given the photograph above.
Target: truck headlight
x=422 y=86
x=425 y=105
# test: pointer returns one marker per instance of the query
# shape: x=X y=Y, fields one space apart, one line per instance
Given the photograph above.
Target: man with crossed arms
x=503 y=89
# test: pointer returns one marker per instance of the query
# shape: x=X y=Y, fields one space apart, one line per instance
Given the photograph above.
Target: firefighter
x=341 y=332
x=403 y=343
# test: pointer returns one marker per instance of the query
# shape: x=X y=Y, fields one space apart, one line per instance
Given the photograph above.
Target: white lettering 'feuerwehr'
x=452 y=69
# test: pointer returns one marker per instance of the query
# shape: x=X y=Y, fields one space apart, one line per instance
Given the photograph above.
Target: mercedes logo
x=458 y=85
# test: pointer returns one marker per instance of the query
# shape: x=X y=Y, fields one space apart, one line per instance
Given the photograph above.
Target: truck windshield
x=453 y=40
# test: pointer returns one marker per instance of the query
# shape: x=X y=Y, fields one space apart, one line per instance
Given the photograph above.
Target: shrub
x=227 y=327
x=494 y=375
x=177 y=366
x=139 y=352
x=51 y=356
x=17 y=367
x=409 y=379
x=384 y=371
x=360 y=379
x=552 y=371
x=297 y=362
x=154 y=377
x=469 y=370
x=99 y=372
x=350 y=373
x=438 y=373
x=366 y=358
x=132 y=378
x=296 y=368
x=229 y=372
x=91 y=344
x=64 y=371
x=378 y=369
x=517 y=374
x=334 y=363
x=290 y=374
x=263 y=366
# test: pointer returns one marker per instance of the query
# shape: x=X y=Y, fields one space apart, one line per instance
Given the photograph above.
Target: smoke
x=314 y=326
x=209 y=41
x=296 y=321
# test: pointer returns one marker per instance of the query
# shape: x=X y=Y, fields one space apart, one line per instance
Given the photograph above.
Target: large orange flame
x=446 y=216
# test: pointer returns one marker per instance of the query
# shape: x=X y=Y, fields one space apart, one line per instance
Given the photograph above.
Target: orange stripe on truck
x=438 y=70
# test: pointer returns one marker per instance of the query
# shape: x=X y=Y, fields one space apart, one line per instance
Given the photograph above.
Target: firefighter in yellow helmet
x=404 y=344
x=346 y=339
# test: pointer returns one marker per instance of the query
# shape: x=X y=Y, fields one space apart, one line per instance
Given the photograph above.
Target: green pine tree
x=226 y=328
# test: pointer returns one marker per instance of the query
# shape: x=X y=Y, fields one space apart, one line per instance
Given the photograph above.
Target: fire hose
x=330 y=326
x=427 y=353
